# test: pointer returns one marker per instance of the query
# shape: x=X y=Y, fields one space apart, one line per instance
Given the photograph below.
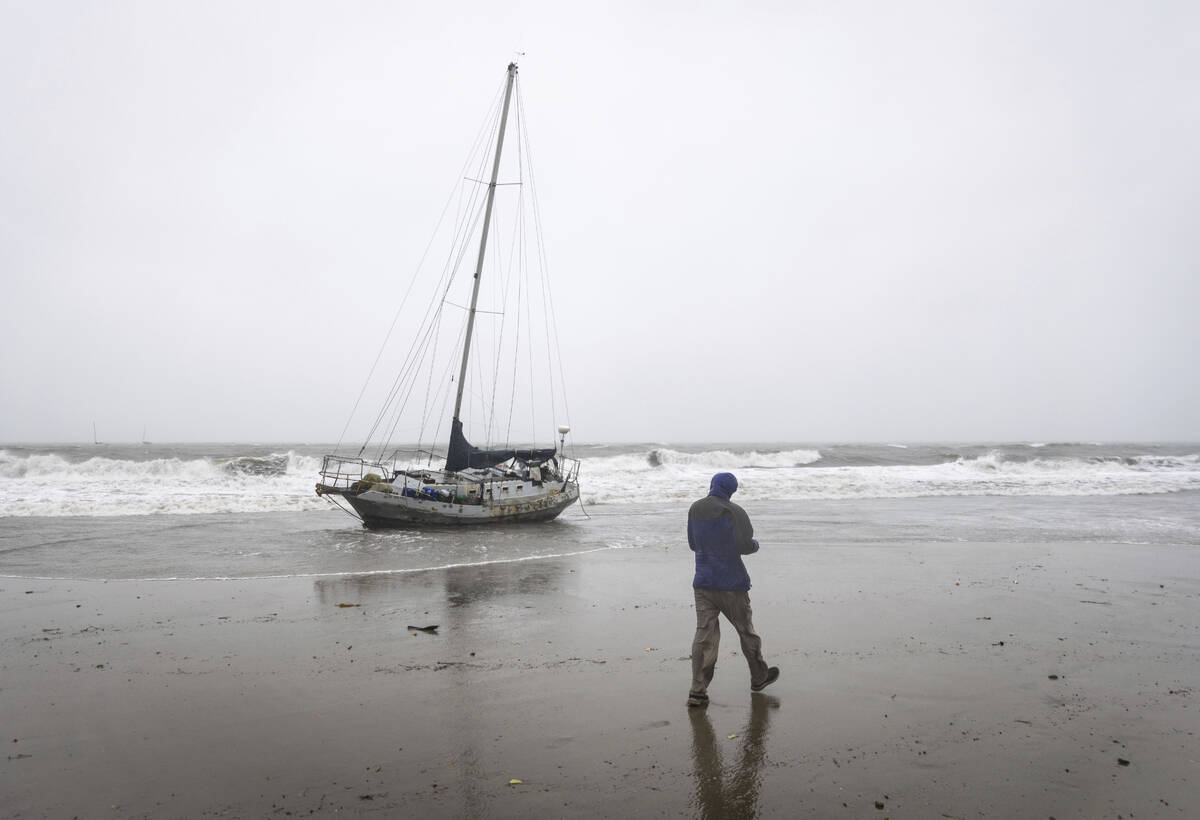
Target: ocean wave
x=785 y=477
x=53 y=484
x=996 y=461
x=732 y=459
x=47 y=484
x=272 y=465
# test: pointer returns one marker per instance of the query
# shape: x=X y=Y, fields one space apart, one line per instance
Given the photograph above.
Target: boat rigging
x=500 y=482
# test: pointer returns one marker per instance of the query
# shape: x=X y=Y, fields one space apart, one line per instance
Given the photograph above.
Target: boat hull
x=379 y=509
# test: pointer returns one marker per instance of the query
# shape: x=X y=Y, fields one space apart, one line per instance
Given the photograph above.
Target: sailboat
x=498 y=483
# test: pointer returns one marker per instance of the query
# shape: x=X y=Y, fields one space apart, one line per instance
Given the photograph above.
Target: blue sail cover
x=461 y=454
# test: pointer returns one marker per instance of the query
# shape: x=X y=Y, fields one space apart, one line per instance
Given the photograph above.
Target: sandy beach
x=918 y=681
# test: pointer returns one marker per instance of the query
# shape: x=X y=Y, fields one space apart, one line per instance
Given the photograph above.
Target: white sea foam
x=49 y=484
x=731 y=459
x=622 y=479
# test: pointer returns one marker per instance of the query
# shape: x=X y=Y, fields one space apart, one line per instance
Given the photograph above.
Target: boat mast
x=487 y=222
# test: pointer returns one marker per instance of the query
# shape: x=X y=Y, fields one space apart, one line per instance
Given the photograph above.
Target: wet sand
x=927 y=680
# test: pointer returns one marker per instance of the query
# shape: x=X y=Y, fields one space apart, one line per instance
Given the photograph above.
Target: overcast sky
x=791 y=221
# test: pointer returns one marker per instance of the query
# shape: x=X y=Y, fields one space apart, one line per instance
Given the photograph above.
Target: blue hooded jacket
x=720 y=533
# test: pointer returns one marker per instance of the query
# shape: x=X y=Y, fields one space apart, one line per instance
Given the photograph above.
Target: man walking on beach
x=719 y=532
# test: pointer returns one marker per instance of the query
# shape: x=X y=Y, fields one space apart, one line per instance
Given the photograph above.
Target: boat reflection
x=730 y=792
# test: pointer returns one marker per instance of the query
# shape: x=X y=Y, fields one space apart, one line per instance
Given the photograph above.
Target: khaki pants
x=735 y=606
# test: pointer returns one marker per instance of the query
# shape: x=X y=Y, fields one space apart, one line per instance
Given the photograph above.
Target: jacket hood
x=723 y=485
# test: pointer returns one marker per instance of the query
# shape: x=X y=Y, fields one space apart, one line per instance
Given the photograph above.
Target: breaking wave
x=182 y=480
x=52 y=485
x=731 y=460
x=809 y=474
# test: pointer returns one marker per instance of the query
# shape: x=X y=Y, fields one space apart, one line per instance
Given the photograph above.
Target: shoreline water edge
x=1032 y=650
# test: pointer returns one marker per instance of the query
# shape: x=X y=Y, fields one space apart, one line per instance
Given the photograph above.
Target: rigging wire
x=516 y=367
x=429 y=324
x=416 y=357
x=511 y=285
x=544 y=268
x=396 y=316
x=428 y=397
x=480 y=139
x=497 y=337
x=448 y=380
x=478 y=212
x=533 y=402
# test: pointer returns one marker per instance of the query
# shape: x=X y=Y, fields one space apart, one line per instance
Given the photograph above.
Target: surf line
x=345 y=574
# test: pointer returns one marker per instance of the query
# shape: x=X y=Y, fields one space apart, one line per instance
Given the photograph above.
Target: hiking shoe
x=772 y=676
x=697 y=700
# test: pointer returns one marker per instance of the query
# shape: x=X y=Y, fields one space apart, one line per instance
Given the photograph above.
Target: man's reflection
x=732 y=792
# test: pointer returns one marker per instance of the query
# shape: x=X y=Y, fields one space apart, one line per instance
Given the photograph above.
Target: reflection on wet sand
x=463 y=602
x=727 y=793
x=459 y=586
